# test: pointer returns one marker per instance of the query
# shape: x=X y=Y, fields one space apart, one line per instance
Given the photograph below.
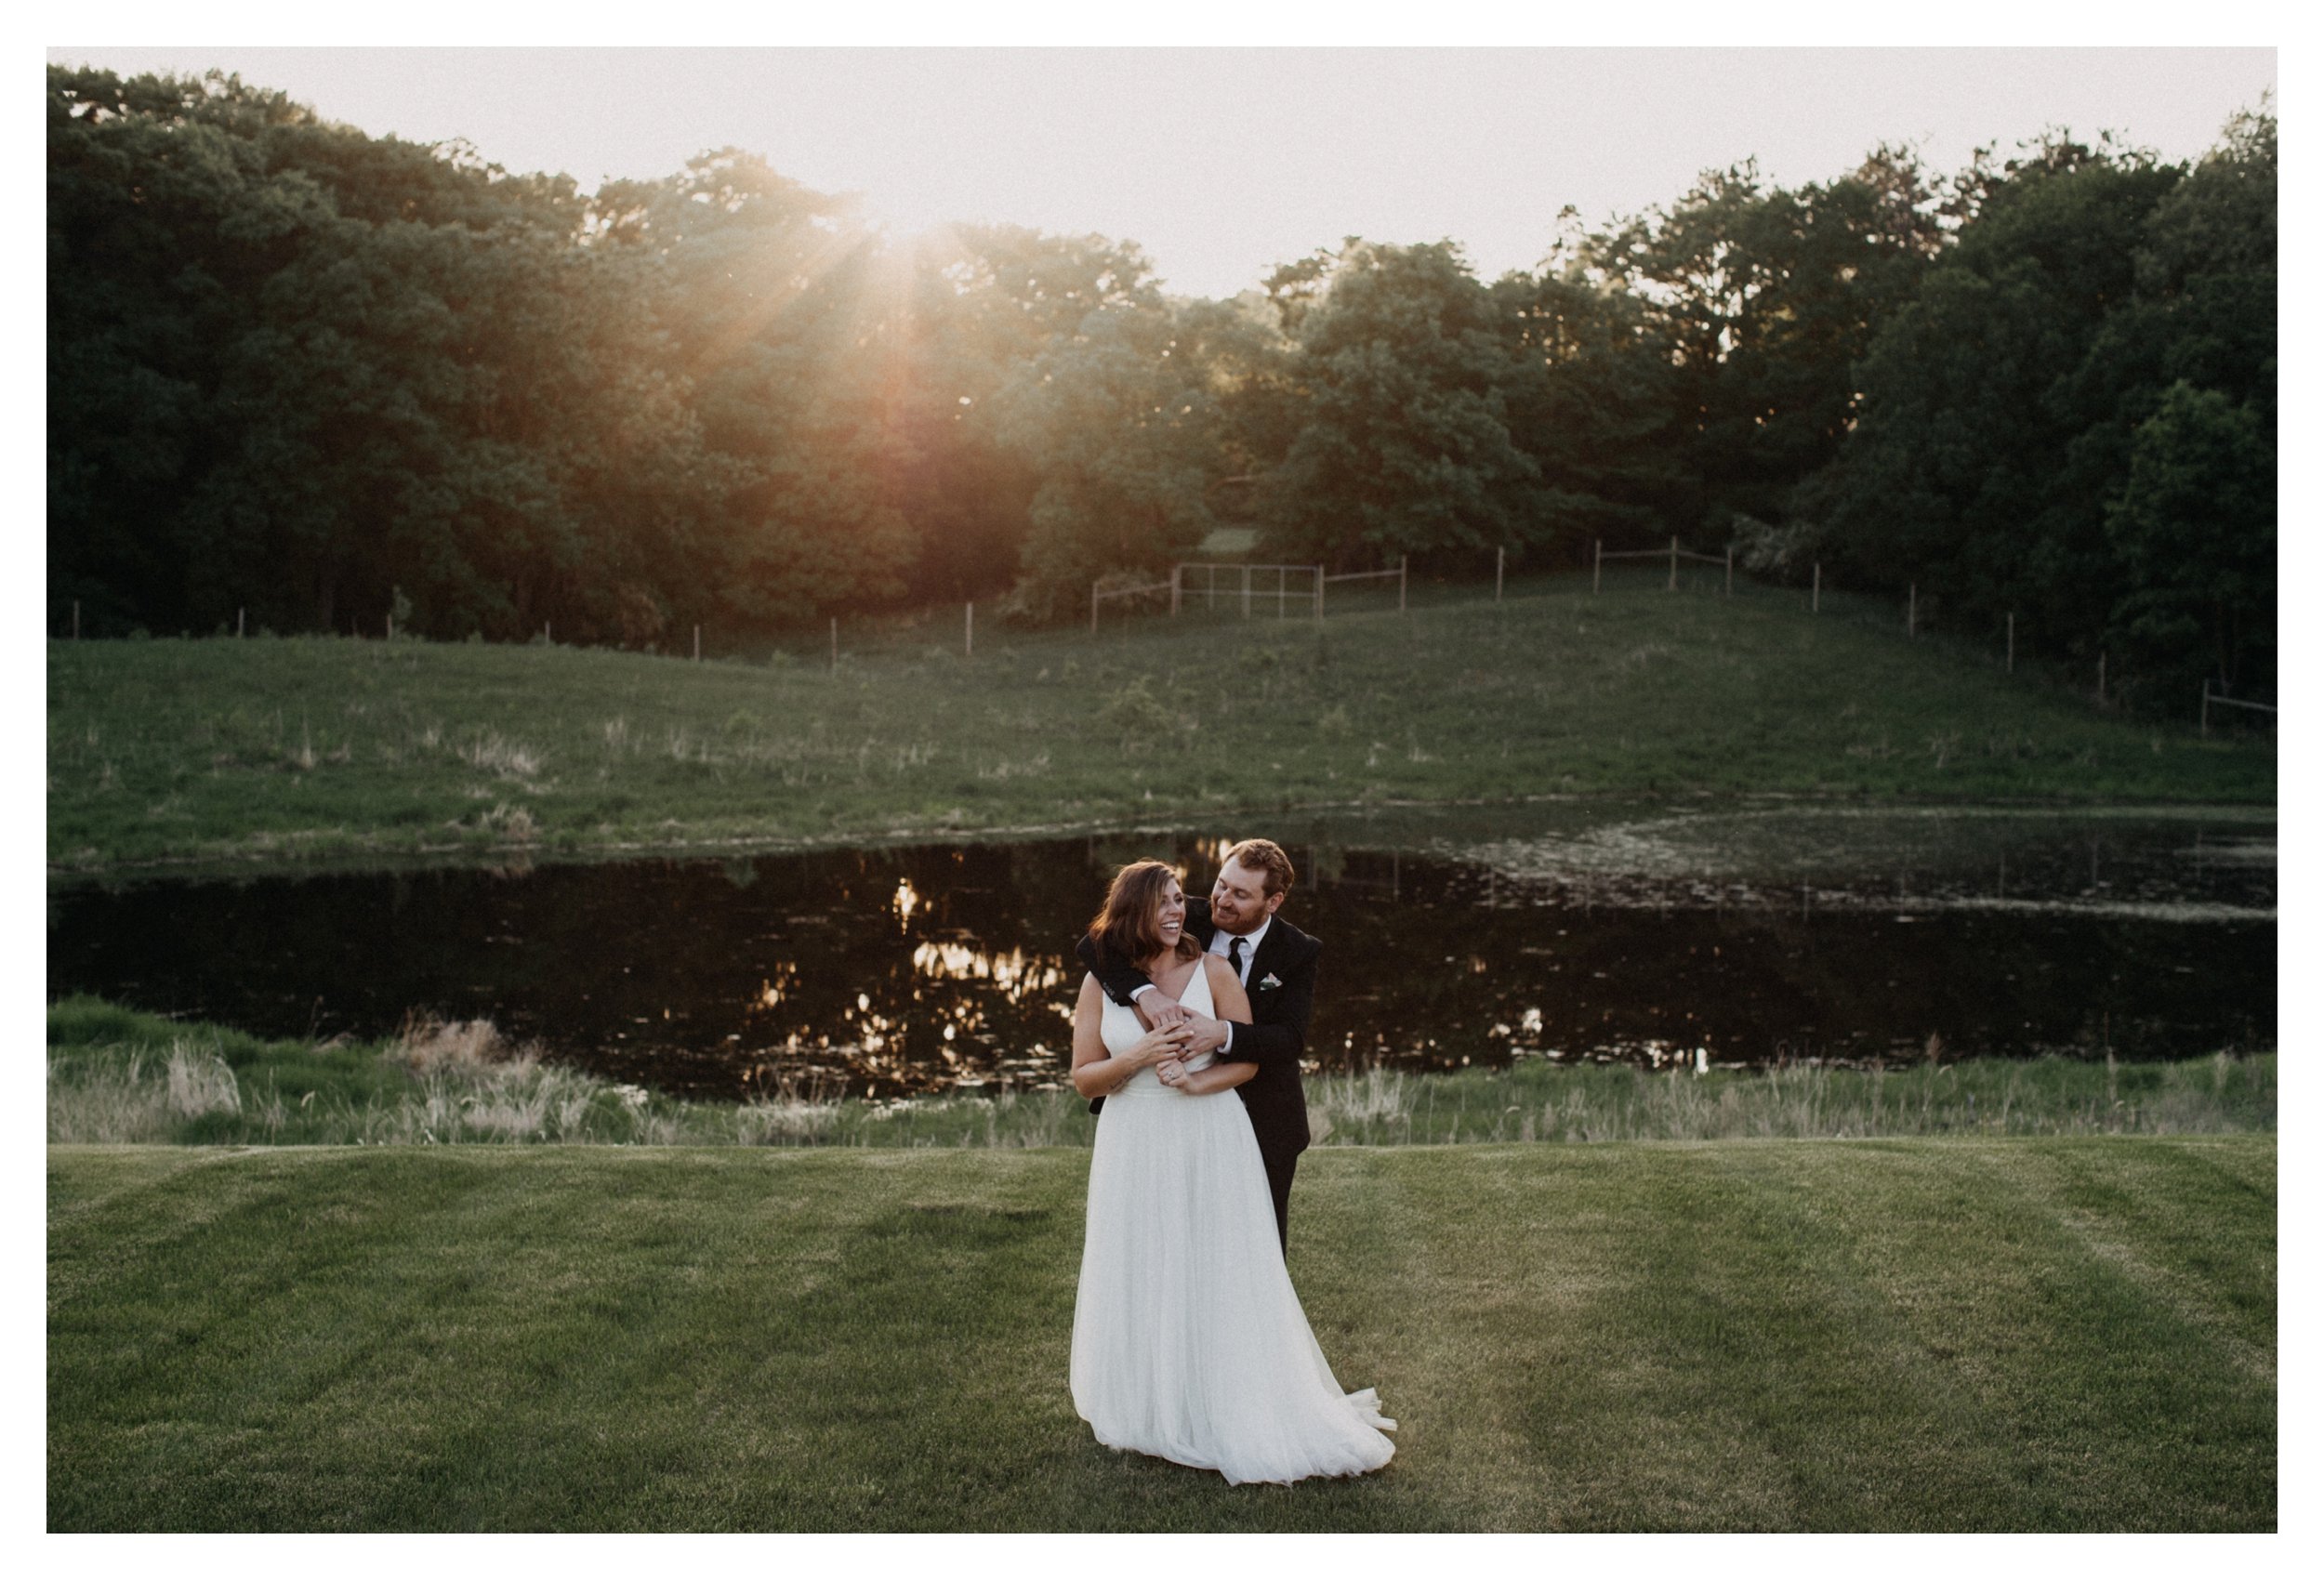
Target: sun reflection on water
x=1015 y=975
x=775 y=988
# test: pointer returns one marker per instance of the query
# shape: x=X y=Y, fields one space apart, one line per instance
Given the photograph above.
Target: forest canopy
x=314 y=377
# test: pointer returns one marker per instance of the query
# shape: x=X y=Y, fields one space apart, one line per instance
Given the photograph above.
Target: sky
x=1223 y=163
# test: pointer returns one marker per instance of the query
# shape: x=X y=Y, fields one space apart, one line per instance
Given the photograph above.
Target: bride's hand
x=1164 y=1013
x=1163 y=1042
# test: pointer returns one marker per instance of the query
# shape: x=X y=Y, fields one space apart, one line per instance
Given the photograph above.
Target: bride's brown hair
x=1128 y=925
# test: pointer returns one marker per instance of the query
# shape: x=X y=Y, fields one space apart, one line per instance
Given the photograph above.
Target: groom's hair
x=1127 y=925
x=1264 y=856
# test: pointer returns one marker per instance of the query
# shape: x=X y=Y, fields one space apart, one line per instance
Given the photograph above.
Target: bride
x=1188 y=1341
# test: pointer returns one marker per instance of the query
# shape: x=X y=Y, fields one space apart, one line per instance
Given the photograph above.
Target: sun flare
x=906 y=214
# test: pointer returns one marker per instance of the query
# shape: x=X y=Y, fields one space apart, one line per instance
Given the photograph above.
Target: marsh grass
x=151 y=1097
x=274 y=752
x=1538 y=1101
x=115 y=1075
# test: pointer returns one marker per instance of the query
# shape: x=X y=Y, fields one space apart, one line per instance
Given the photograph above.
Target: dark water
x=1734 y=938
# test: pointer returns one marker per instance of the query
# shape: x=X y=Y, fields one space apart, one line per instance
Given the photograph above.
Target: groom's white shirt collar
x=1221 y=941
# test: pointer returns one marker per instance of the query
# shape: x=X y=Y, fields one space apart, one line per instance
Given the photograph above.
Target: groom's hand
x=1204 y=1035
x=1161 y=1013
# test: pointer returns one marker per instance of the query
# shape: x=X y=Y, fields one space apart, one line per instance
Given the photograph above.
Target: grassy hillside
x=2002 y=1334
x=271 y=750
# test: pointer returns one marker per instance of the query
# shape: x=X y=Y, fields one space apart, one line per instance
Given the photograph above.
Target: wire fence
x=1239 y=588
x=2212 y=700
x=1239 y=591
x=1202 y=589
x=1675 y=554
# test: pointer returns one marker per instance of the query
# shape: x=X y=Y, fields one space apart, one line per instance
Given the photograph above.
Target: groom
x=1276 y=963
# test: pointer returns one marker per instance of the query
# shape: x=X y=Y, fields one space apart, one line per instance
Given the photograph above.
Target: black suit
x=1274 y=1039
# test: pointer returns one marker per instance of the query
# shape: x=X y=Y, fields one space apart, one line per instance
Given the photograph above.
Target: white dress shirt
x=1221 y=941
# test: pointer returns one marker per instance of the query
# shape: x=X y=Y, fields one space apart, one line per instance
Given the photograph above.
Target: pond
x=1718 y=935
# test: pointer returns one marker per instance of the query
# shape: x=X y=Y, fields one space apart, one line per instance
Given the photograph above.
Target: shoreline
x=363 y=853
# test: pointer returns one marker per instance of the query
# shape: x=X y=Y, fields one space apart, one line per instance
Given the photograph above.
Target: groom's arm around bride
x=1277 y=971
x=1286 y=994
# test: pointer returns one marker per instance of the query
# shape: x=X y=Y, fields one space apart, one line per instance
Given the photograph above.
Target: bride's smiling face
x=1170 y=919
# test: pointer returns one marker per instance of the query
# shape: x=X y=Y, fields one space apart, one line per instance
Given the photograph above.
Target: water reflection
x=1670 y=939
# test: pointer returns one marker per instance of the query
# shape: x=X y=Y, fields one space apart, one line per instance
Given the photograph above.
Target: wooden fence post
x=241 y=618
x=1815 y=592
x=1177 y=572
x=1403 y=572
x=391 y=626
x=1501 y=564
x=968 y=633
x=1674 y=565
x=1319 y=592
x=2206 y=707
x=76 y=619
x=835 y=645
x=1093 y=608
x=1597 y=564
x=697 y=644
x=1730 y=570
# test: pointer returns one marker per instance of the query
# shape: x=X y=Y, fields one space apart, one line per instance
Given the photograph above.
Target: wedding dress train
x=1189 y=1342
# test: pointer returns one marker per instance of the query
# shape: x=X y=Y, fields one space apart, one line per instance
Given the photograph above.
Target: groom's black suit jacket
x=1274 y=1040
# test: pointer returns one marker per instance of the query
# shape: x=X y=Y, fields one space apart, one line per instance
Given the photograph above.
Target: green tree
x=1603 y=425
x=293 y=368
x=1122 y=423
x=985 y=301
x=1761 y=299
x=2195 y=527
x=1963 y=472
x=2095 y=352
x=1409 y=373
x=769 y=296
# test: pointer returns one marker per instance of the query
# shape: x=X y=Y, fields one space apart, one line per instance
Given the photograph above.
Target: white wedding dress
x=1189 y=1342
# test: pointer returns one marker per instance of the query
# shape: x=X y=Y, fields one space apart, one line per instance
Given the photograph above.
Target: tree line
x=306 y=376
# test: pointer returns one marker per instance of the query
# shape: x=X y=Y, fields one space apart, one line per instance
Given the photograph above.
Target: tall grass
x=117 y=1076
x=1538 y=1101
x=151 y=1096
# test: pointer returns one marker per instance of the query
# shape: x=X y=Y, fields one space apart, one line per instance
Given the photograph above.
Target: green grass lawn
x=2067 y=1334
x=272 y=752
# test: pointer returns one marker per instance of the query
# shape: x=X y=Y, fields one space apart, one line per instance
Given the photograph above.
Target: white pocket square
x=1269 y=981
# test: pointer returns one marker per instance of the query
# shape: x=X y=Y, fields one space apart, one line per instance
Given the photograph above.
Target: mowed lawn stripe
x=1899 y=1334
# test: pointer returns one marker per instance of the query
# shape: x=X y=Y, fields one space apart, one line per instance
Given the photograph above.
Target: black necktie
x=1234 y=957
